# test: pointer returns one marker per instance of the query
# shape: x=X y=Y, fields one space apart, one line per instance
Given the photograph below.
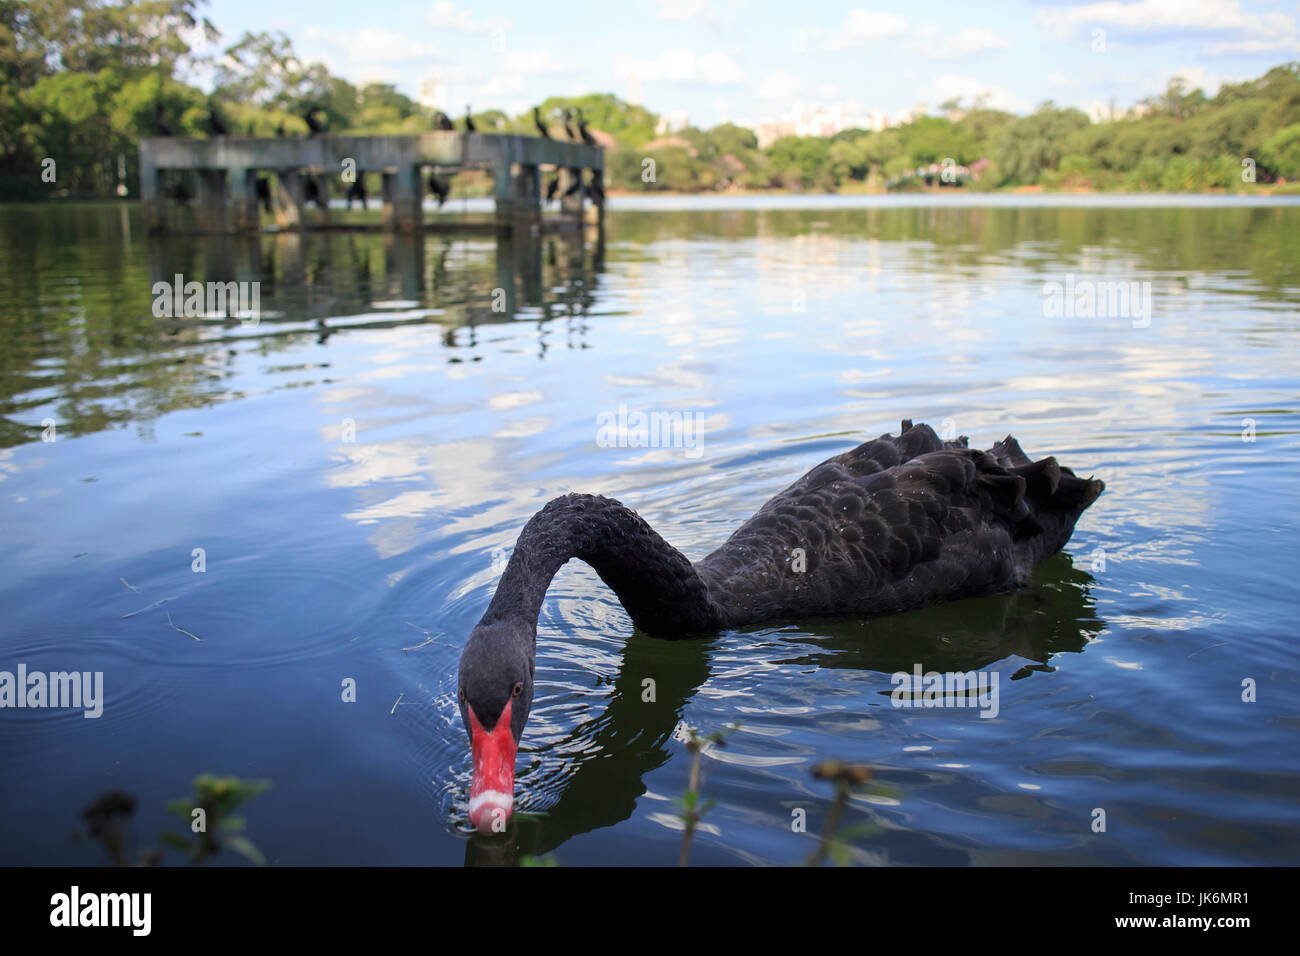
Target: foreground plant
x=848 y=779
x=692 y=809
x=210 y=815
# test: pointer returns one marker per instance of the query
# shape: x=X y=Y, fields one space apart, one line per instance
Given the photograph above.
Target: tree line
x=82 y=81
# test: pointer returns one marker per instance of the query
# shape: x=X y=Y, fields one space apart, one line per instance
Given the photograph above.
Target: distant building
x=673 y=122
x=815 y=119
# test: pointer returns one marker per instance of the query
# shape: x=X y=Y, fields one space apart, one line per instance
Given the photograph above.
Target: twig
x=182 y=630
x=846 y=777
x=430 y=638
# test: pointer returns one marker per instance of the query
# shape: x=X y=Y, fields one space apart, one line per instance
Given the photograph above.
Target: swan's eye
x=517 y=690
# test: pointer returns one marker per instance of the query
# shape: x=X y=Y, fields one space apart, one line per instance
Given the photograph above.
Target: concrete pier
x=226 y=169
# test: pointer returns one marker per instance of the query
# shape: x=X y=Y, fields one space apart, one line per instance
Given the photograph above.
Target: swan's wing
x=896 y=523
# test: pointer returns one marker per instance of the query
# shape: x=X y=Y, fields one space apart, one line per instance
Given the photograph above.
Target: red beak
x=492 y=792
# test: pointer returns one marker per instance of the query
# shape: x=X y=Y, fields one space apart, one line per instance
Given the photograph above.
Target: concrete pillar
x=518 y=196
x=151 y=200
x=243 y=200
x=403 y=198
x=212 y=201
x=289 y=199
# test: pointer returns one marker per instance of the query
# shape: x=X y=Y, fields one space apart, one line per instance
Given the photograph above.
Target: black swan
x=886 y=527
x=469 y=122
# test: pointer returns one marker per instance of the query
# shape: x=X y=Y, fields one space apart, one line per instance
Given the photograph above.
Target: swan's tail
x=1045 y=497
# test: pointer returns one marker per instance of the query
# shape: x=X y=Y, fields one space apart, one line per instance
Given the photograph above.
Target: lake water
x=355 y=467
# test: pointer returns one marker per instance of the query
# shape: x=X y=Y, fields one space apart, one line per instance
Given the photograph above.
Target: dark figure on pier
x=469 y=121
x=575 y=185
x=568 y=130
x=263 y=188
x=442 y=122
x=217 y=125
x=552 y=188
x=160 y=125
x=313 y=192
x=279 y=130
x=541 y=127
x=583 y=131
x=596 y=192
x=439 y=189
x=314 y=126
x=357 y=191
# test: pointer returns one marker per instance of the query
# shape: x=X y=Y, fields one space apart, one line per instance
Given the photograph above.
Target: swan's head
x=496 y=694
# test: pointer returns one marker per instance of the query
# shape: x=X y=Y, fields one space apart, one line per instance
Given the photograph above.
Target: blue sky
x=750 y=60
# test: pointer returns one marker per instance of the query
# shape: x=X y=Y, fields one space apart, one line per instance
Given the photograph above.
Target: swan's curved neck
x=655 y=583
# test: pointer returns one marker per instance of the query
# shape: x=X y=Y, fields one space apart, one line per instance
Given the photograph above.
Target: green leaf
x=244 y=847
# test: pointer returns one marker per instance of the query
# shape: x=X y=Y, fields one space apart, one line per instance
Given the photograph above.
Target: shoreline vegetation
x=76 y=99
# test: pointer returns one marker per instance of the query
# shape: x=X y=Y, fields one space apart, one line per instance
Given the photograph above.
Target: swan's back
x=896 y=523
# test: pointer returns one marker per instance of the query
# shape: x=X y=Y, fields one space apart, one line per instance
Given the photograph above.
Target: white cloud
x=536 y=63
x=373 y=45
x=684 y=11
x=867 y=26
x=973 y=40
x=1255 y=32
x=681 y=10
x=1278 y=44
x=445 y=15
x=683 y=66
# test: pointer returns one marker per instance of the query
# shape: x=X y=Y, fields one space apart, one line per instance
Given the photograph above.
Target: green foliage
x=217 y=798
x=1032 y=145
x=1280 y=153
x=208 y=814
x=693 y=807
